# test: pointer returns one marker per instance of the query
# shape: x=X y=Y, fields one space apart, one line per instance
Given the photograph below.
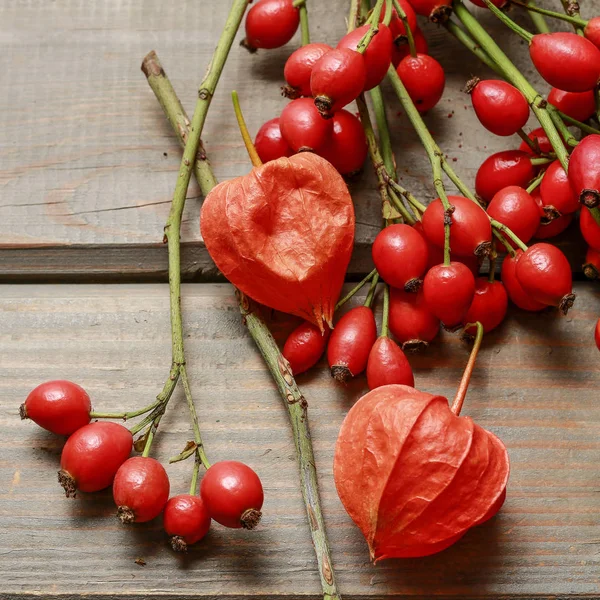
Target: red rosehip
x=271 y=24
x=592 y=31
x=388 y=365
x=305 y=346
x=589 y=229
x=437 y=11
x=302 y=126
x=400 y=48
x=186 y=521
x=584 y=171
x=510 y=167
x=411 y=321
x=578 y=105
x=298 y=68
x=556 y=190
x=424 y=79
x=591 y=267
x=513 y=288
x=488 y=307
x=269 y=142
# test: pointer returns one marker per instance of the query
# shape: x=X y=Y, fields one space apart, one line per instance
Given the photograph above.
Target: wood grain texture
x=88 y=163
x=536 y=385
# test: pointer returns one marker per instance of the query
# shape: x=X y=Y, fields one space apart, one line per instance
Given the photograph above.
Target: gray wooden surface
x=536 y=385
x=88 y=163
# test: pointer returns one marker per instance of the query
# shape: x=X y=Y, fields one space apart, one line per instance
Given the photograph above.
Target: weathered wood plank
x=536 y=385
x=88 y=163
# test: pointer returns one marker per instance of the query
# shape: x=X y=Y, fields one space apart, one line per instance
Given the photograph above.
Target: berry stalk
x=537 y=19
x=466 y=378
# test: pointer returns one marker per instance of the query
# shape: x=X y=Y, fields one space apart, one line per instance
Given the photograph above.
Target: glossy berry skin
x=411 y=322
x=470 y=231
x=377 y=56
x=584 y=170
x=269 y=142
x=578 y=105
x=92 y=455
x=514 y=207
x=388 y=365
x=400 y=256
x=591 y=267
x=302 y=126
x=140 y=489
x=555 y=227
x=346 y=148
x=337 y=79
x=566 y=60
x=350 y=343
x=592 y=31
x=233 y=494
x=424 y=79
x=513 y=288
x=186 y=520
x=597 y=334
x=448 y=292
x=509 y=167
x=500 y=107
x=401 y=48
x=589 y=229
x=59 y=406
x=271 y=24
x=556 y=190
x=545 y=275
x=298 y=68
x=438 y=11
x=489 y=305
x=304 y=347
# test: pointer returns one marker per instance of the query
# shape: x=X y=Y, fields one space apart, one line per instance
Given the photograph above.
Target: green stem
x=149 y=418
x=468 y=42
x=531 y=7
x=252 y=153
x=354 y=14
x=396 y=187
x=355 y=289
x=493 y=257
x=540 y=161
x=533 y=145
x=125 y=416
x=504 y=241
x=538 y=20
x=383 y=130
x=385 y=330
x=536 y=182
x=409 y=34
x=195 y=475
x=583 y=126
x=571 y=7
x=304 y=30
x=373 y=29
x=387 y=17
x=506 y=231
x=466 y=378
x=194 y=416
x=528 y=37
x=372 y=289
x=562 y=129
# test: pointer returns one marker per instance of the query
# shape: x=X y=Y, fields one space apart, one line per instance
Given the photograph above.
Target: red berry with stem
x=584 y=171
x=298 y=68
x=577 y=105
x=597 y=334
x=500 y=107
x=377 y=56
x=271 y=24
x=186 y=521
x=400 y=256
x=470 y=232
x=556 y=190
x=424 y=79
x=401 y=48
x=396 y=25
x=411 y=321
x=92 y=455
x=544 y=274
x=337 y=79
x=553 y=228
x=302 y=126
x=509 y=167
x=305 y=346
x=489 y=305
x=269 y=142
x=438 y=11
x=59 y=406
x=233 y=494
x=591 y=267
x=589 y=229
x=350 y=343
x=140 y=489
x=388 y=365
x=513 y=288
x=449 y=291
x=537 y=135
x=514 y=207
x=347 y=147
x=592 y=33
x=566 y=60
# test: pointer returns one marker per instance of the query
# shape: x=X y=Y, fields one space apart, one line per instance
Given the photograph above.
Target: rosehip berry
x=553 y=228
x=591 y=267
x=140 y=489
x=578 y=105
x=584 y=171
x=305 y=346
x=438 y=11
x=566 y=60
x=488 y=307
x=510 y=167
x=186 y=521
x=500 y=107
x=513 y=288
x=388 y=365
x=470 y=231
x=556 y=191
x=337 y=79
x=269 y=142
x=400 y=256
x=449 y=291
x=544 y=274
x=377 y=56
x=543 y=142
x=514 y=207
x=597 y=334
x=92 y=456
x=400 y=48
x=350 y=343
x=302 y=126
x=233 y=494
x=298 y=68
x=424 y=79
x=592 y=32
x=270 y=24
x=411 y=321
x=347 y=147
x=59 y=406
x=589 y=229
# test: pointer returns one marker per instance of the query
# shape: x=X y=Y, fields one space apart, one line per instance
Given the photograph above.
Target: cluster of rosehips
x=96 y=455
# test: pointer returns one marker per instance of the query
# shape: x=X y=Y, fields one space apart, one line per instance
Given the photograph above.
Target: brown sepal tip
x=590 y=271
x=413 y=285
x=245 y=44
x=68 y=483
x=125 y=515
x=23 y=411
x=452 y=328
x=324 y=104
x=413 y=346
x=341 y=373
x=178 y=544
x=590 y=198
x=566 y=303
x=251 y=518
x=440 y=14
x=287 y=91
x=471 y=85
x=550 y=213
x=483 y=249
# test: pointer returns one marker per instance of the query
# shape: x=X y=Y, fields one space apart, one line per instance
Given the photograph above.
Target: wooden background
x=87 y=169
